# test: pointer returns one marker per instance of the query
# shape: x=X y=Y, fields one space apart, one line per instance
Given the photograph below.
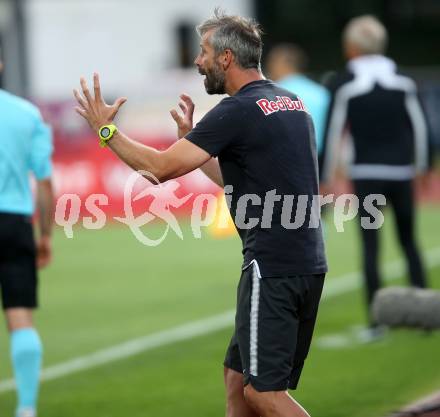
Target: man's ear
x=226 y=59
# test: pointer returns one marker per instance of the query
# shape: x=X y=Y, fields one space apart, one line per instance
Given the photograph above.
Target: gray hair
x=239 y=34
x=367 y=33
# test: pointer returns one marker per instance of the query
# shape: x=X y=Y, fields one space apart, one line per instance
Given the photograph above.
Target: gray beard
x=215 y=82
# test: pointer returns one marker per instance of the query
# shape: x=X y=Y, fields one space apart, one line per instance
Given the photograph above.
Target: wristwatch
x=105 y=133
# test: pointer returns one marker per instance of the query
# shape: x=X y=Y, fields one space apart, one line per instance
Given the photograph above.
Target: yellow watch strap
x=105 y=133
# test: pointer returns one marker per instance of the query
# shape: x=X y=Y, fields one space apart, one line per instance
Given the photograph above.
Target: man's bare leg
x=273 y=403
x=236 y=405
x=18 y=318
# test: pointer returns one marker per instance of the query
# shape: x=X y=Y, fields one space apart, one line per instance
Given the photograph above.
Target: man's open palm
x=185 y=121
x=94 y=109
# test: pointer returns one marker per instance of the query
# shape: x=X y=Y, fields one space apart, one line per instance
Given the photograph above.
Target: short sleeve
x=41 y=152
x=219 y=127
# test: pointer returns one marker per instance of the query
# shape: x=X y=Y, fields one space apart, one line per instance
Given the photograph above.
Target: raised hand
x=94 y=109
x=184 y=122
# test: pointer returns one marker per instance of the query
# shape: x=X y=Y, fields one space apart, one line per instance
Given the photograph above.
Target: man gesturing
x=263 y=138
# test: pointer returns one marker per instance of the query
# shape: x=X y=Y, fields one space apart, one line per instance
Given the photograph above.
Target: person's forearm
x=212 y=170
x=179 y=159
x=137 y=155
x=45 y=205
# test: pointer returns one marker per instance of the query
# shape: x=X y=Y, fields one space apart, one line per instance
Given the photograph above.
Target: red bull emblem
x=281 y=104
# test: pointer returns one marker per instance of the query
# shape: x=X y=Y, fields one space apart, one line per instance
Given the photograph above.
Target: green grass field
x=105 y=288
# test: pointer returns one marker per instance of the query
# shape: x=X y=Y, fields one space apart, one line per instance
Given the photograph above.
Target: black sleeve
x=219 y=127
x=325 y=158
x=417 y=117
x=324 y=147
x=430 y=112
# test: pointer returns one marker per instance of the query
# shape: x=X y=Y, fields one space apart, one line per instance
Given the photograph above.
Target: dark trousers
x=399 y=195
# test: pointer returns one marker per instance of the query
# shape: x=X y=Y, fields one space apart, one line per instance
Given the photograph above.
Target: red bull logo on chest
x=281 y=104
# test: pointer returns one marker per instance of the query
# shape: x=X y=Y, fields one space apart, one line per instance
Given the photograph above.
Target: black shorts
x=273 y=328
x=18 y=275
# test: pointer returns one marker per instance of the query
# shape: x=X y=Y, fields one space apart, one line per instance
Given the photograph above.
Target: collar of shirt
x=254 y=83
x=372 y=66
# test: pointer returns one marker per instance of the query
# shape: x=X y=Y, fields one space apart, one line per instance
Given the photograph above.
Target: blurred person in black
x=379 y=110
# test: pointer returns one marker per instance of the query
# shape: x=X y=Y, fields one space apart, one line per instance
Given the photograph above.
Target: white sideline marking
x=337 y=286
x=350 y=338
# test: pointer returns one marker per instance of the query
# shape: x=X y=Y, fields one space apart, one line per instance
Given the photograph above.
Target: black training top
x=263 y=137
x=380 y=109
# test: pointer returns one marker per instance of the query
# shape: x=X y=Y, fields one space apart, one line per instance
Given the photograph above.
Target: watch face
x=105 y=132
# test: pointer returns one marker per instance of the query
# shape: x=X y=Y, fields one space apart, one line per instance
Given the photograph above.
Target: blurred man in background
x=379 y=109
x=286 y=64
x=26 y=146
